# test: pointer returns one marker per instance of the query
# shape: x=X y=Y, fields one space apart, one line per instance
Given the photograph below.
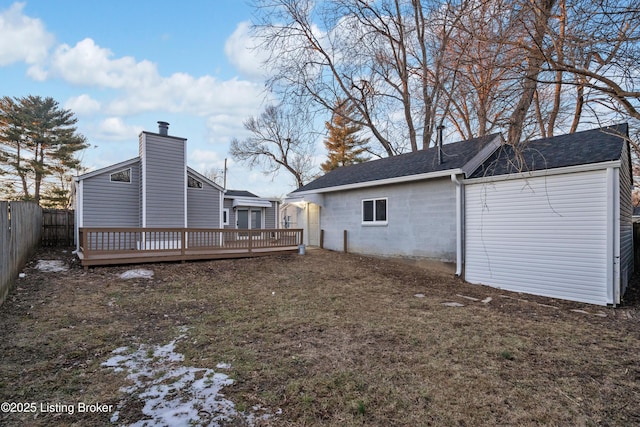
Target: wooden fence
x=20 y=229
x=58 y=227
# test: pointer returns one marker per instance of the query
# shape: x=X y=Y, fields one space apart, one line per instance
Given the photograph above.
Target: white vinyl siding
x=543 y=235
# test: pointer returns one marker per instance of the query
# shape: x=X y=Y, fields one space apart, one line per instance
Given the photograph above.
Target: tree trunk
x=535 y=59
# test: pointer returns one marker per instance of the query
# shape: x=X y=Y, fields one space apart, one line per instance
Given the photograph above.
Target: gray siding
x=203 y=207
x=164 y=171
x=228 y=204
x=421 y=221
x=626 y=221
x=111 y=204
x=271 y=216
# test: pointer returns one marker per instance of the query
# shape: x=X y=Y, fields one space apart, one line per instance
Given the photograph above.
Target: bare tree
x=481 y=55
x=527 y=67
x=383 y=57
x=279 y=138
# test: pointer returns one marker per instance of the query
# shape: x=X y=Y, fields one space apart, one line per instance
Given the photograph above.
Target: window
x=374 y=211
x=225 y=216
x=193 y=183
x=121 y=176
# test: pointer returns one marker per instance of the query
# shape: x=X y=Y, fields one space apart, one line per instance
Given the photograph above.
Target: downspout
x=459 y=224
x=613 y=238
x=616 y=236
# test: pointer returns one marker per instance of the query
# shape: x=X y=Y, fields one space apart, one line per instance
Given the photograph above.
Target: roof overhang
x=397 y=180
x=251 y=202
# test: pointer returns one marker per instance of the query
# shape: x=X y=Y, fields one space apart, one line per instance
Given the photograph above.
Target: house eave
x=545 y=172
x=379 y=182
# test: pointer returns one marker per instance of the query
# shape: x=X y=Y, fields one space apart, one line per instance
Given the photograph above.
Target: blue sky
x=121 y=66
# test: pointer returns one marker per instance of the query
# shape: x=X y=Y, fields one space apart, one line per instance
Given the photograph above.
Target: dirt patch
x=320 y=339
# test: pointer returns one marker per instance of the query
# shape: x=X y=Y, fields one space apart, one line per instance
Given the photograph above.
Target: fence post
x=345 y=241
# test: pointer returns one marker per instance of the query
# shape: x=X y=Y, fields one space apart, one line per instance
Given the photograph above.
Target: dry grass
x=330 y=339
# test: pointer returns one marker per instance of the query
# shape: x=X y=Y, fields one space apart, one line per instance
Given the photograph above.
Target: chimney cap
x=163 y=127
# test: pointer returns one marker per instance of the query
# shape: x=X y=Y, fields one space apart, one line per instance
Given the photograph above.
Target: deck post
x=250 y=240
x=183 y=244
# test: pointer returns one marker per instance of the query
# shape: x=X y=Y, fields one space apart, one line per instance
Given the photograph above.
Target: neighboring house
x=243 y=209
x=552 y=219
x=158 y=189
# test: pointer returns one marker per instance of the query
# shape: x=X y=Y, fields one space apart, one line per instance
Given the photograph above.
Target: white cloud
x=87 y=64
x=224 y=127
x=141 y=88
x=241 y=50
x=82 y=105
x=114 y=129
x=205 y=160
x=22 y=38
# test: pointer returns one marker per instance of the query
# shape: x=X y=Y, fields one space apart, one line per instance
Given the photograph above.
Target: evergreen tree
x=38 y=139
x=344 y=145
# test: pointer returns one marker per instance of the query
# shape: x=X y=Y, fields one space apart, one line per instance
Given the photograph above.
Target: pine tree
x=38 y=139
x=344 y=145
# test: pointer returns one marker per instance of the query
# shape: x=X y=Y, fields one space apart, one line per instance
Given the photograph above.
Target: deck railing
x=133 y=245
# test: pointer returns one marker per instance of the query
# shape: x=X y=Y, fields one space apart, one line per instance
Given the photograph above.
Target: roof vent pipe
x=439 y=142
x=163 y=128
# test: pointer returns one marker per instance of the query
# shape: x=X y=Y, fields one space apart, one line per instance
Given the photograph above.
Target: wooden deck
x=108 y=246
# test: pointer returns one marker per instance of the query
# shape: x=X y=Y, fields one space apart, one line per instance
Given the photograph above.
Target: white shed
x=555 y=219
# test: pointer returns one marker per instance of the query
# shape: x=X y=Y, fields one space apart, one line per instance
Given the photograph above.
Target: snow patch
x=138 y=273
x=452 y=304
x=173 y=394
x=51 y=266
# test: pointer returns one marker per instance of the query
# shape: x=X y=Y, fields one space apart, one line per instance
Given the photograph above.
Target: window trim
x=120 y=171
x=225 y=216
x=375 y=222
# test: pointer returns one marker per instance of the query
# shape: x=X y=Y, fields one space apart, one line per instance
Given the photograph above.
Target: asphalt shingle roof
x=454 y=156
x=591 y=146
x=239 y=193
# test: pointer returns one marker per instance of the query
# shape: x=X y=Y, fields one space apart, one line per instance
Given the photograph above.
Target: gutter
x=545 y=172
x=459 y=223
x=387 y=181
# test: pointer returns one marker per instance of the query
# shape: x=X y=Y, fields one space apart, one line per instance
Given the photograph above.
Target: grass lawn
x=314 y=340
